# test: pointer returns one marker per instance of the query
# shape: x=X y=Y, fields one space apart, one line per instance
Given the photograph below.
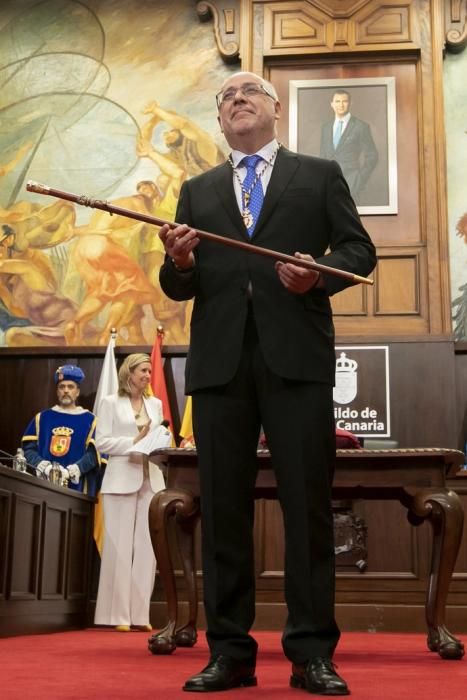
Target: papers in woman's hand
x=155 y=439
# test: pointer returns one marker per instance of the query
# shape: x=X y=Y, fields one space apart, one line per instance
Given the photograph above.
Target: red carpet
x=110 y=665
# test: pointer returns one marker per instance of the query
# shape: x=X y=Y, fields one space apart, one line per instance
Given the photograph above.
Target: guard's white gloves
x=42 y=467
x=74 y=473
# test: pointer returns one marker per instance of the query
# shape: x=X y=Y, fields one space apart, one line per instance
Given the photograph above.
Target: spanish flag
x=158 y=385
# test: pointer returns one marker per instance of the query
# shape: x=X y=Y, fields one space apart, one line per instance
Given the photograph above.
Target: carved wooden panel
x=293 y=25
x=397 y=284
x=353 y=301
x=79 y=540
x=5 y=509
x=304 y=25
x=25 y=554
x=54 y=551
x=226 y=18
x=383 y=23
x=456 y=25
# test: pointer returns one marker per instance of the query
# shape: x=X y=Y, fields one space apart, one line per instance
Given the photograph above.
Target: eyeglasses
x=247 y=90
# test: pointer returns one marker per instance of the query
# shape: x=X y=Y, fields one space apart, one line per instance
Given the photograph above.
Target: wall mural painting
x=112 y=100
x=455 y=68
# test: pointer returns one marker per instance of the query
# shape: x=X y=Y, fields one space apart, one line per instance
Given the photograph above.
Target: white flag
x=108 y=384
x=108 y=381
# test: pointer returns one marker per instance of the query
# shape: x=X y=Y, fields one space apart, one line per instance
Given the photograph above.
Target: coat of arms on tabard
x=61 y=441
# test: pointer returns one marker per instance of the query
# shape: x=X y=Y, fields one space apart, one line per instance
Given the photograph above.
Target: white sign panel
x=361 y=393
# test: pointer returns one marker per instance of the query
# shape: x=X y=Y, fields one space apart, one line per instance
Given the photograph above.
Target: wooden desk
x=415 y=477
x=45 y=549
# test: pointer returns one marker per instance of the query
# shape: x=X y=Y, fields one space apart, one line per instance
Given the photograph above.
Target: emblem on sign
x=345 y=389
x=61 y=440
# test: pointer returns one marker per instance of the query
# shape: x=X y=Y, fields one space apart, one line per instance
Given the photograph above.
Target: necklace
x=138 y=411
x=247 y=216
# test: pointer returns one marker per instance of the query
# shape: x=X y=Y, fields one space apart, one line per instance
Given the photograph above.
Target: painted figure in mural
x=114 y=258
x=172 y=316
x=190 y=147
x=65 y=434
x=262 y=354
x=348 y=140
x=29 y=291
x=34 y=312
x=38 y=226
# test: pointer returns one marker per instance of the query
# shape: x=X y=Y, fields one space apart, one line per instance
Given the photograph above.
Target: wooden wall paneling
x=312 y=26
x=310 y=39
x=353 y=301
x=461 y=393
x=294 y=25
x=434 y=200
x=423 y=412
x=397 y=287
x=54 y=536
x=385 y=23
x=5 y=516
x=269 y=545
x=395 y=556
x=403 y=230
x=456 y=610
x=79 y=540
x=25 y=548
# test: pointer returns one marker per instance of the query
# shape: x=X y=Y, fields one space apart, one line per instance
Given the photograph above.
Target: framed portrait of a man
x=352 y=121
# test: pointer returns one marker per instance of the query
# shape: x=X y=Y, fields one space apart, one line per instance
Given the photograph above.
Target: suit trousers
x=128 y=564
x=298 y=421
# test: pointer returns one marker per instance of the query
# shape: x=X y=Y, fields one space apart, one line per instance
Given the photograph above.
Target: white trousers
x=128 y=565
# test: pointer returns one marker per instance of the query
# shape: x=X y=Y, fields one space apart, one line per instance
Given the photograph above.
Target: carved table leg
x=187 y=635
x=165 y=504
x=443 y=509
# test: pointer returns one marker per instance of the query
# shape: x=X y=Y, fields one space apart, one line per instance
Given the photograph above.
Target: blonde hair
x=128 y=365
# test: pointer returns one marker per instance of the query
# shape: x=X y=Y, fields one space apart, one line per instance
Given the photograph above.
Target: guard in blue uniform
x=64 y=434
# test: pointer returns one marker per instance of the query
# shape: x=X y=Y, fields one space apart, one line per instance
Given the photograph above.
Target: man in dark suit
x=348 y=140
x=262 y=353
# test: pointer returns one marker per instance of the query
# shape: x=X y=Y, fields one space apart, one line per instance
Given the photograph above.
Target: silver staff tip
x=32 y=186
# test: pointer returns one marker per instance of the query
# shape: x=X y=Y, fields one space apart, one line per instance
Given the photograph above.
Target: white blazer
x=115 y=430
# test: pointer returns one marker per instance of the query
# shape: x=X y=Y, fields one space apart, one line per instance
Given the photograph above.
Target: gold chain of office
x=247 y=216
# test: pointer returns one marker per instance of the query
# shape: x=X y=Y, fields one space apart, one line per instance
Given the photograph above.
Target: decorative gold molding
x=456 y=25
x=226 y=16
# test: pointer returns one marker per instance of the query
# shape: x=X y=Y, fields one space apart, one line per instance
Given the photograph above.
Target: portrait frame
x=373 y=101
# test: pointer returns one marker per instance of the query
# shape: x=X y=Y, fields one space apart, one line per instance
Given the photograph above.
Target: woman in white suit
x=128 y=565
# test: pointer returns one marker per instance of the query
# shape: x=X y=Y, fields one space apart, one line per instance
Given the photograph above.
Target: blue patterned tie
x=256 y=196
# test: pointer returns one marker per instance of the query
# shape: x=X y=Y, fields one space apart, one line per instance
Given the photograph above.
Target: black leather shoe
x=319 y=677
x=222 y=673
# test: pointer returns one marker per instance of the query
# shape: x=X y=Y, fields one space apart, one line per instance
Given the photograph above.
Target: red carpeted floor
x=110 y=665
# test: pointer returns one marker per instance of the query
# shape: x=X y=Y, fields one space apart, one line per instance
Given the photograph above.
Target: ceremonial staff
x=248 y=247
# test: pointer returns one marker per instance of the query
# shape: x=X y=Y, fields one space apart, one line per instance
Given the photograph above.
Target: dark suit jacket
x=307 y=209
x=356 y=152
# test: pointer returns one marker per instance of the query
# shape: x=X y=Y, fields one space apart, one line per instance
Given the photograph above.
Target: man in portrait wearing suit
x=262 y=353
x=348 y=140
